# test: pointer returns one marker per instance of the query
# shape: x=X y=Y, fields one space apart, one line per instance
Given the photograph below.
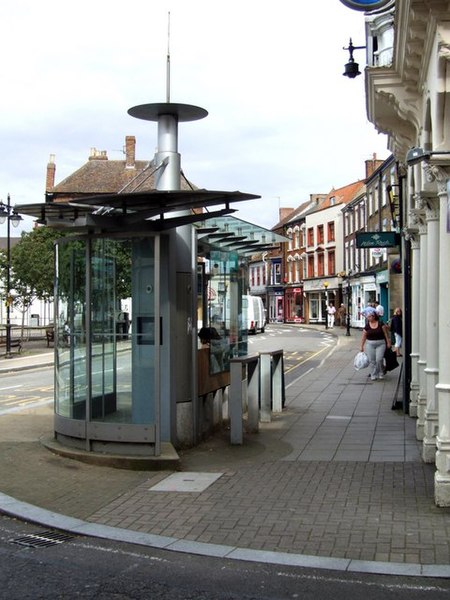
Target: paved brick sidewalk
x=337 y=474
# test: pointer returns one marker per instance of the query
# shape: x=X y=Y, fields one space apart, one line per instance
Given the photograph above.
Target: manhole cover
x=186 y=482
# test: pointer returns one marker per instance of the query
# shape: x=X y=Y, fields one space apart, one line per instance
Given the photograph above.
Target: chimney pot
x=98 y=154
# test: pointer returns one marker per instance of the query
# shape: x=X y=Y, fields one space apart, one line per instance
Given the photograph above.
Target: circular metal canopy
x=365 y=5
x=183 y=112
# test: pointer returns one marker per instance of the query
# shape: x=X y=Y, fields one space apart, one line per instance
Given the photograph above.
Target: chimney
x=130 y=151
x=372 y=165
x=51 y=170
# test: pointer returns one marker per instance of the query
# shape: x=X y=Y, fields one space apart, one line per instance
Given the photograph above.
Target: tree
x=32 y=262
x=32 y=266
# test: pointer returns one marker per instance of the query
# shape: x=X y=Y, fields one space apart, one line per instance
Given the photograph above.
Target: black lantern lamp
x=10 y=216
x=351 y=69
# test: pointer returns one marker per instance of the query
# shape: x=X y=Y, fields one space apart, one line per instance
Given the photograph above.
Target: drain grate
x=43 y=539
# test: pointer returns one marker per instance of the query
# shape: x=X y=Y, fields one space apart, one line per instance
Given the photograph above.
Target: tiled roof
x=317 y=202
x=110 y=177
x=292 y=215
x=342 y=195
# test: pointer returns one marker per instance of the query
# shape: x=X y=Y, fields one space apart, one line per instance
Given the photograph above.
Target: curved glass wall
x=105 y=332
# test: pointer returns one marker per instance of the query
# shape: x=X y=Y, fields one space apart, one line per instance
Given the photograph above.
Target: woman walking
x=397 y=330
x=375 y=339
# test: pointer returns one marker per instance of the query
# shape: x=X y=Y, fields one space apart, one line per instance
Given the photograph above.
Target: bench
x=15 y=344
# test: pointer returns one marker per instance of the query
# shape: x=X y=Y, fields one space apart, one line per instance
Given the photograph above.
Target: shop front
x=294 y=305
x=319 y=293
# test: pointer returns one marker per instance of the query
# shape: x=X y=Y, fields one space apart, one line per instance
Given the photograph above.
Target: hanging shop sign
x=365 y=4
x=377 y=239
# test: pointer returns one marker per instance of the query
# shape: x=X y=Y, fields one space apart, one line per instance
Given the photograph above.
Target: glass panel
x=224 y=331
x=121 y=314
x=70 y=334
x=103 y=317
x=111 y=308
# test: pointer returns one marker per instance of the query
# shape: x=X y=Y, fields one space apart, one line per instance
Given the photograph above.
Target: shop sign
x=382 y=276
x=377 y=239
x=365 y=4
x=370 y=287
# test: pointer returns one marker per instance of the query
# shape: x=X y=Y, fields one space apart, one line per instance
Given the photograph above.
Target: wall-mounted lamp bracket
x=351 y=69
x=415 y=156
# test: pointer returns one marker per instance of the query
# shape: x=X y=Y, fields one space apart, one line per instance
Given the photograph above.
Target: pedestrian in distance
x=331 y=311
x=379 y=308
x=342 y=313
x=374 y=341
x=397 y=330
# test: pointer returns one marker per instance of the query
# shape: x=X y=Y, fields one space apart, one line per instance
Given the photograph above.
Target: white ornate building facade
x=408 y=98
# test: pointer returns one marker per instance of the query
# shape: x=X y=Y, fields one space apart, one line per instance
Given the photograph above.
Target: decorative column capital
x=417 y=221
x=432 y=209
x=439 y=175
x=413 y=238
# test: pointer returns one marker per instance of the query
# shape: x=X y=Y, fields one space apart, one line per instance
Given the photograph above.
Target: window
x=258 y=276
x=297 y=271
x=320 y=264
x=330 y=233
x=310 y=236
x=310 y=266
x=320 y=239
x=252 y=276
x=277 y=273
x=331 y=263
x=348 y=220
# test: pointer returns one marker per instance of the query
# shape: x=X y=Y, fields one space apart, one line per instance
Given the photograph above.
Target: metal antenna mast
x=168 y=60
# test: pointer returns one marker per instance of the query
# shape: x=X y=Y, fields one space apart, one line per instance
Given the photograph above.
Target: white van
x=253 y=314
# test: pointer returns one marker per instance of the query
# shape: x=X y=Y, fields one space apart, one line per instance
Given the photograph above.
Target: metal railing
x=272 y=384
x=238 y=395
x=256 y=385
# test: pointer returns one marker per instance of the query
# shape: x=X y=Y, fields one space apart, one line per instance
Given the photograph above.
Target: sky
x=283 y=122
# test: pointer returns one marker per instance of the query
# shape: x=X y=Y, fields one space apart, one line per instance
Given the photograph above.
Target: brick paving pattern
x=336 y=474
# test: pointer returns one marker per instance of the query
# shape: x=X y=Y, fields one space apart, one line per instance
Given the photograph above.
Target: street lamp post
x=348 y=305
x=10 y=216
x=325 y=285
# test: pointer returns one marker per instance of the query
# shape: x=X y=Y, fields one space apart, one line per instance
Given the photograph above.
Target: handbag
x=390 y=359
x=361 y=361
